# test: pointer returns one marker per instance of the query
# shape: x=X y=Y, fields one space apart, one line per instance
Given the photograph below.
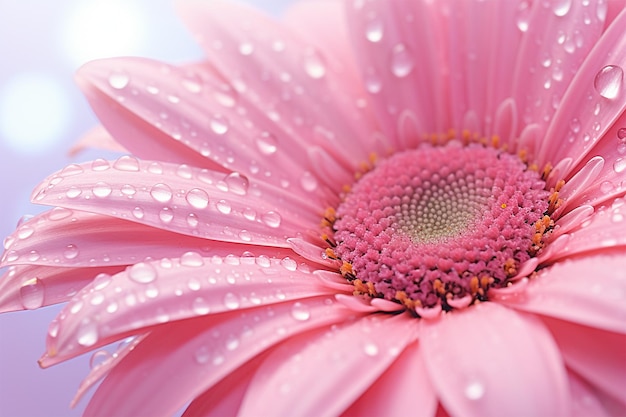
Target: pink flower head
x=371 y=207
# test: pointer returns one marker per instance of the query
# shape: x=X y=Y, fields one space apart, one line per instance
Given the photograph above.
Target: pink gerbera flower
x=379 y=208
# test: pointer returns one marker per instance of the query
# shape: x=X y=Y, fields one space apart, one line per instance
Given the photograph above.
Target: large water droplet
x=608 y=82
x=25 y=232
x=142 y=273
x=232 y=343
x=71 y=170
x=219 y=124
x=619 y=165
x=272 y=219
x=237 y=183
x=561 y=7
x=127 y=163
x=300 y=311
x=138 y=213
x=231 y=301
x=223 y=207
x=200 y=306
x=32 y=294
x=100 y=165
x=88 y=335
x=102 y=189
x=370 y=349
x=197 y=198
x=98 y=358
x=374 y=30
x=118 y=80
x=166 y=215
x=161 y=193
x=267 y=143
x=70 y=252
x=402 y=61
x=474 y=390
x=191 y=259
x=314 y=65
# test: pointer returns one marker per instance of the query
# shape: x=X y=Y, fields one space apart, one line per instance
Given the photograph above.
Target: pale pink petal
x=403 y=389
x=396 y=45
x=611 y=181
x=589 y=290
x=596 y=355
x=296 y=88
x=149 y=294
x=355 y=355
x=594 y=100
x=558 y=37
x=183 y=199
x=603 y=230
x=28 y=287
x=312 y=252
x=185 y=359
x=585 y=402
x=581 y=180
x=97 y=138
x=491 y=361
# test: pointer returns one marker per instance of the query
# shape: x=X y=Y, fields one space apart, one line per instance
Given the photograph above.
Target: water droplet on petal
x=202 y=355
x=192 y=83
x=374 y=30
x=102 y=189
x=370 y=349
x=98 y=358
x=197 y=198
x=561 y=7
x=101 y=281
x=32 y=294
x=219 y=124
x=128 y=190
x=300 y=311
x=191 y=259
x=272 y=219
x=59 y=213
x=402 y=61
x=72 y=169
x=246 y=48
x=231 y=301
x=237 y=183
x=70 y=252
x=100 y=165
x=608 y=82
x=474 y=390
x=232 y=343
x=142 y=273
x=621 y=134
x=200 y=306
x=25 y=232
x=619 y=165
x=166 y=215
x=155 y=168
x=161 y=193
x=223 y=207
x=88 y=335
x=314 y=65
x=267 y=143
x=308 y=181
x=289 y=264
x=373 y=84
x=127 y=163
x=118 y=80
x=192 y=220
x=138 y=213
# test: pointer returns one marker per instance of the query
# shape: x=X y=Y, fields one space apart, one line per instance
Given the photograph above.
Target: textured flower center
x=439 y=226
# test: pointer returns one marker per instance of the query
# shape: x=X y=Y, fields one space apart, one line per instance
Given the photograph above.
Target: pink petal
x=596 y=355
x=604 y=229
x=185 y=359
x=491 y=361
x=588 y=290
x=97 y=138
x=34 y=286
x=149 y=294
x=399 y=56
x=556 y=41
x=305 y=86
x=183 y=199
x=403 y=389
x=585 y=402
x=355 y=354
x=594 y=100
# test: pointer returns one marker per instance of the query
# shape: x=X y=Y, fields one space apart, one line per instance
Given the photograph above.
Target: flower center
x=439 y=226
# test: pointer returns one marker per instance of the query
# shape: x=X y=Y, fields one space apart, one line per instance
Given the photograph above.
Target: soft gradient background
x=42 y=114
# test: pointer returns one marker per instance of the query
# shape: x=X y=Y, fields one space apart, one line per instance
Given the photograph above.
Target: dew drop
x=308 y=181
x=155 y=168
x=200 y=306
x=25 y=232
x=127 y=163
x=191 y=259
x=32 y=294
x=128 y=190
x=202 y=355
x=374 y=30
x=373 y=84
x=192 y=83
x=289 y=264
x=272 y=219
x=608 y=82
x=314 y=65
x=246 y=48
x=370 y=349
x=184 y=171
x=161 y=192
x=118 y=80
x=474 y=390
x=101 y=281
x=166 y=215
x=617 y=218
x=219 y=124
x=33 y=256
x=237 y=183
x=59 y=213
x=223 y=207
x=231 y=301
x=138 y=213
x=97 y=299
x=197 y=198
x=71 y=170
x=98 y=358
x=621 y=134
x=245 y=235
x=300 y=311
x=100 y=165
x=143 y=273
x=232 y=343
x=192 y=220
x=619 y=165
x=561 y=7
x=88 y=335
x=402 y=62
x=70 y=252
x=102 y=189
x=267 y=143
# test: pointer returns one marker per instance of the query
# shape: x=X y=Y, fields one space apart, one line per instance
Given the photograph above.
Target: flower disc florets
x=440 y=226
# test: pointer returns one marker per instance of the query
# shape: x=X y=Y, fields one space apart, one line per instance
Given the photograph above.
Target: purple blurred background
x=42 y=113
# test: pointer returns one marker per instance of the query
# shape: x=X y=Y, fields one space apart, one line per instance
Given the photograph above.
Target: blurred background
x=42 y=114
